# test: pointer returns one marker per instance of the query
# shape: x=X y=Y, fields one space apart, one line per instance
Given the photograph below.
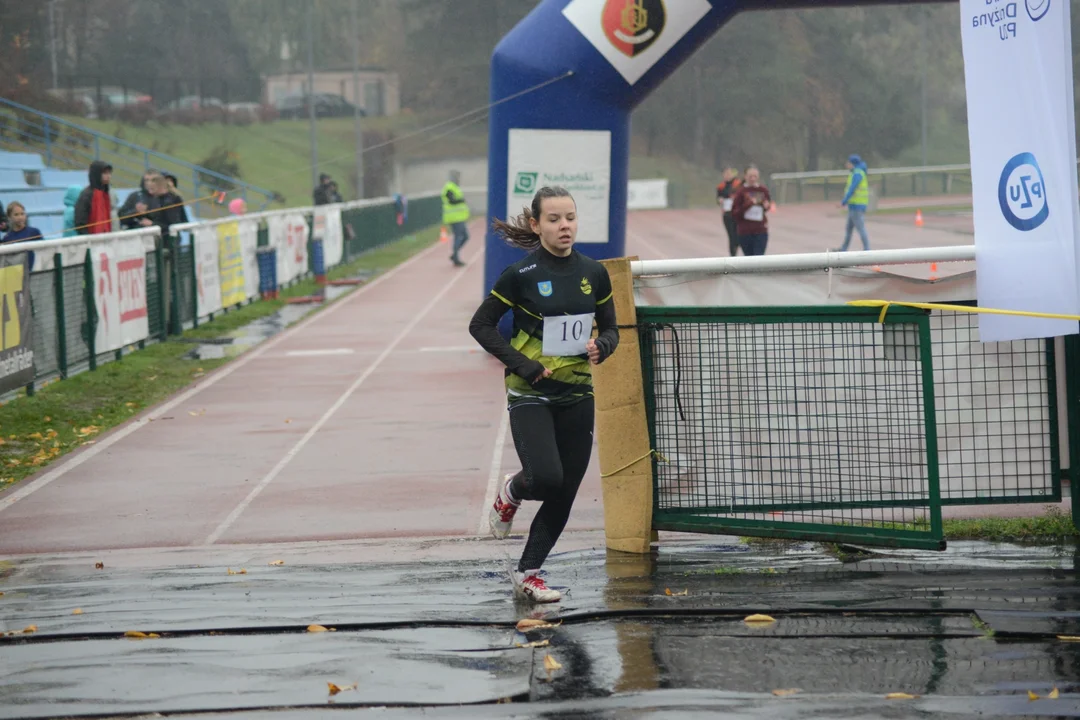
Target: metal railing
x=72 y=146
x=826 y=185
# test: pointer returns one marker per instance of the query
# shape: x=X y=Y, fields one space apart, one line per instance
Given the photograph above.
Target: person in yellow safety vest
x=455 y=213
x=856 y=198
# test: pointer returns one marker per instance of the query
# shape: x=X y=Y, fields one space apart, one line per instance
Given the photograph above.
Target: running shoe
x=530 y=586
x=502 y=512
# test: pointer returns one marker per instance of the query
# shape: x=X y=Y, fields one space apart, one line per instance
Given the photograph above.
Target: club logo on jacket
x=586 y=287
x=544 y=287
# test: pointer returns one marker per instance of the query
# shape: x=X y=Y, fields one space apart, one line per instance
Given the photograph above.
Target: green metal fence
x=62 y=301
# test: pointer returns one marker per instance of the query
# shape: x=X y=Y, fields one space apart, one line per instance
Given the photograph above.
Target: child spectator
x=20 y=231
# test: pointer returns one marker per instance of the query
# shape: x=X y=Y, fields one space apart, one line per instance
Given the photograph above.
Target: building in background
x=380 y=90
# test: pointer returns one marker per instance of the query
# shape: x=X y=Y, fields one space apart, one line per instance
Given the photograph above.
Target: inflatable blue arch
x=565 y=81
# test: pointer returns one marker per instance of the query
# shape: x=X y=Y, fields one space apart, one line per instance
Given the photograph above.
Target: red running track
x=377 y=417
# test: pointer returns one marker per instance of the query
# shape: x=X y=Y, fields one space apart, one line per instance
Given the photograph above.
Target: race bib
x=755 y=213
x=566 y=335
x=728 y=202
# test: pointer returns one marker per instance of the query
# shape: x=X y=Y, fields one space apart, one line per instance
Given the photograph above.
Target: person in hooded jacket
x=134 y=209
x=93 y=209
x=70 y=198
x=856 y=198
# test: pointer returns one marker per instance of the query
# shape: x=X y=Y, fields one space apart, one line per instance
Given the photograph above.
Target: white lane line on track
x=637 y=238
x=295 y=450
x=110 y=440
x=494 y=475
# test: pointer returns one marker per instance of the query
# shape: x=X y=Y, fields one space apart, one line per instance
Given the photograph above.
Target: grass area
x=67 y=414
x=1052 y=527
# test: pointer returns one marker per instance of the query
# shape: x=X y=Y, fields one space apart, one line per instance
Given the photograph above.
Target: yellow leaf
x=759 y=619
x=192 y=413
x=900 y=696
x=288 y=420
x=316 y=628
x=1069 y=638
x=276 y=562
x=535 y=644
x=153 y=635
x=77 y=611
x=48 y=419
x=151 y=378
x=551 y=664
x=785 y=693
x=135 y=634
x=30 y=629
x=1054 y=694
x=1032 y=696
x=11 y=437
x=2 y=441
x=241 y=571
x=35 y=436
x=334 y=689
x=530 y=624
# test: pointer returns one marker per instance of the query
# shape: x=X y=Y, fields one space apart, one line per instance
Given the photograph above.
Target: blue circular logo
x=1022 y=193
x=1036 y=9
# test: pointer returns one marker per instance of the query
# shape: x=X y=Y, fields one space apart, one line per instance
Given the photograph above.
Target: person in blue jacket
x=70 y=198
x=856 y=198
x=20 y=229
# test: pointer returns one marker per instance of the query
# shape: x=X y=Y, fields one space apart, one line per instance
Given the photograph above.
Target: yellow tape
x=659 y=457
x=885 y=304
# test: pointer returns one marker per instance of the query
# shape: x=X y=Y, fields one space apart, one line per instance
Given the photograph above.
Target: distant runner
x=725 y=197
x=752 y=202
x=554 y=293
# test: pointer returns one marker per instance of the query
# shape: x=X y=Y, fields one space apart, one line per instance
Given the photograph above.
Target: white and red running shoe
x=530 y=586
x=502 y=512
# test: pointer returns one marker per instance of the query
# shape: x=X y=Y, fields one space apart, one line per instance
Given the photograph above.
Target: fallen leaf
x=1054 y=694
x=1069 y=638
x=99 y=566
x=198 y=369
x=77 y=611
x=785 y=693
x=153 y=635
x=1032 y=696
x=759 y=619
x=900 y=696
x=288 y=420
x=530 y=624
x=48 y=419
x=129 y=404
x=551 y=665
x=135 y=634
x=667 y=591
x=534 y=644
x=241 y=571
x=276 y=562
x=334 y=689
x=30 y=629
x=35 y=436
x=1 y=594
x=192 y=413
x=316 y=628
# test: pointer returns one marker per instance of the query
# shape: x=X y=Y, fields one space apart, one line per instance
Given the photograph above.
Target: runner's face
x=557 y=225
x=752 y=177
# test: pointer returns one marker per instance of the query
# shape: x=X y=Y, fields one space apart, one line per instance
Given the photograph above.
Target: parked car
x=326 y=105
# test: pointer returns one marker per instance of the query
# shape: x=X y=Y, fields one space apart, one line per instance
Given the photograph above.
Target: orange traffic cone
x=918 y=218
x=444 y=236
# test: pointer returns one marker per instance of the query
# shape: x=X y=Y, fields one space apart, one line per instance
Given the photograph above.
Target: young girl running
x=555 y=293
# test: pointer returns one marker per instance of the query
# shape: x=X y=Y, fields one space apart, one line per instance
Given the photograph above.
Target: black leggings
x=732 y=234
x=554 y=444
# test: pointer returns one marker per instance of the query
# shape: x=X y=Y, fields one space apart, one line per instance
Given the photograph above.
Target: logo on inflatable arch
x=1036 y=9
x=632 y=26
x=1022 y=193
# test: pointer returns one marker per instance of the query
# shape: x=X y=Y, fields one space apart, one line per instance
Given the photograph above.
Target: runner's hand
x=594 y=352
x=541 y=376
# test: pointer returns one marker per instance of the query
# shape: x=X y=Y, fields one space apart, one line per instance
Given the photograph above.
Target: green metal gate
x=800 y=422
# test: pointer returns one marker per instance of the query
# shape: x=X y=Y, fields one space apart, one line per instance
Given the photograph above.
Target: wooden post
x=622 y=427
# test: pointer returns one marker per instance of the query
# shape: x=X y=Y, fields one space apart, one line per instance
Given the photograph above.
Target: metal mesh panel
x=43 y=304
x=185 y=276
x=75 y=315
x=996 y=415
x=807 y=422
x=154 y=312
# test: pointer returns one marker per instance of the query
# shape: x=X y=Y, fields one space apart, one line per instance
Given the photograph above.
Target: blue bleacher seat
x=11 y=180
x=21 y=161
x=61 y=179
x=51 y=226
x=40 y=201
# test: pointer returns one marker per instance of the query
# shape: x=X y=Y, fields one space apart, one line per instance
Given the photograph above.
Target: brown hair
x=15 y=204
x=518 y=232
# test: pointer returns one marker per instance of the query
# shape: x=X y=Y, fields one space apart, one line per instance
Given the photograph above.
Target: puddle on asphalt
x=242 y=339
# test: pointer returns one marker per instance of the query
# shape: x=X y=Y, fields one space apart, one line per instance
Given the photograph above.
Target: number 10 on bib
x=566 y=335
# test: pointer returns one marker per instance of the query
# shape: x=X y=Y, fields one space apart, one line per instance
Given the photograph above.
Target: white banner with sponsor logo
x=327 y=227
x=578 y=160
x=120 y=292
x=207 y=274
x=289 y=236
x=249 y=245
x=1018 y=70
x=647 y=194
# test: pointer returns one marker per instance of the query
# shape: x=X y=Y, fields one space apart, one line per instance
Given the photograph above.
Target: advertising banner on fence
x=1018 y=71
x=327 y=227
x=16 y=324
x=647 y=194
x=120 y=293
x=578 y=160
x=249 y=245
x=289 y=236
x=207 y=274
x=231 y=264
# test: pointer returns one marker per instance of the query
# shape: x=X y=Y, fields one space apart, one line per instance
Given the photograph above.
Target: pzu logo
x=1022 y=193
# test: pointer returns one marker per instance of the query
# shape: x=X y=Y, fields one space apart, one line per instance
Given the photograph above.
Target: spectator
x=856 y=198
x=752 y=202
x=725 y=197
x=455 y=214
x=19 y=230
x=174 y=198
x=136 y=204
x=93 y=210
x=70 y=198
x=332 y=195
x=327 y=191
x=3 y=219
x=166 y=208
